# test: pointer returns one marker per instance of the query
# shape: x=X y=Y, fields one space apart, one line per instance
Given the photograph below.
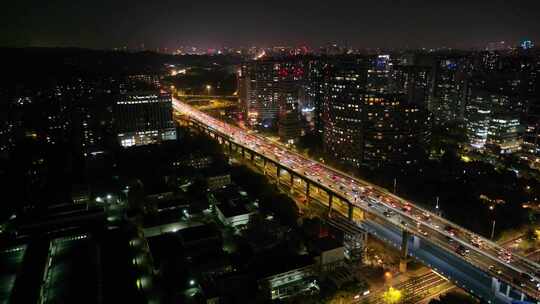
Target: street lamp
x=208 y=88
x=491 y=208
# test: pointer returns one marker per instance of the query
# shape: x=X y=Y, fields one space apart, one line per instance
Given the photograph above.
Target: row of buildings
x=375 y=109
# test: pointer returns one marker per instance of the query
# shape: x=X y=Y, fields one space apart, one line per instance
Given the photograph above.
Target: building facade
x=144 y=118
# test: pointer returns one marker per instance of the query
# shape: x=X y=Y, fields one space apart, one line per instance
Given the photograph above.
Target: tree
x=530 y=234
x=392 y=296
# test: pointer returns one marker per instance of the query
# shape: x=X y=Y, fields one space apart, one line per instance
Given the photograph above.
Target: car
x=495 y=269
x=527 y=277
x=519 y=281
x=476 y=242
x=423 y=232
x=370 y=205
x=461 y=250
x=505 y=256
x=450 y=230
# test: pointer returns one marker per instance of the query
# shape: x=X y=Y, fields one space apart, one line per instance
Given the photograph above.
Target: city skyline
x=212 y=24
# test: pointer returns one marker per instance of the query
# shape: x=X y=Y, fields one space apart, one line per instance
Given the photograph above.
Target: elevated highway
x=510 y=276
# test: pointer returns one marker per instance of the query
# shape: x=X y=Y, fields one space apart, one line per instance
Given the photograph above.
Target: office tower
x=447 y=101
x=144 y=117
x=369 y=128
x=315 y=90
x=418 y=81
x=380 y=78
x=477 y=118
x=342 y=113
x=504 y=134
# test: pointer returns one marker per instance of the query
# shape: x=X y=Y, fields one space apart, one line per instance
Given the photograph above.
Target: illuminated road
x=415 y=289
x=471 y=248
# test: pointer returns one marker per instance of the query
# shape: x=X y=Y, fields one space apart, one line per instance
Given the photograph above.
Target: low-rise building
x=234 y=213
x=218 y=181
x=297 y=275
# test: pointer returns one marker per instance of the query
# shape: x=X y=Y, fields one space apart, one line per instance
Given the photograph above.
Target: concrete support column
x=404 y=251
x=292 y=180
x=416 y=242
x=330 y=200
x=522 y=298
x=496 y=286
x=264 y=166
x=507 y=290
x=252 y=155
x=243 y=152
x=230 y=147
x=351 y=210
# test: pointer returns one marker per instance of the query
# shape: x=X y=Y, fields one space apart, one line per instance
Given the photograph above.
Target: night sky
x=213 y=23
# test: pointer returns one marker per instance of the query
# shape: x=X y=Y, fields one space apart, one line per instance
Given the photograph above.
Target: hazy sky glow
x=214 y=23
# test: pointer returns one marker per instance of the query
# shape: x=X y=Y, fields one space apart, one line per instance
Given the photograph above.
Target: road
x=514 y=269
x=414 y=289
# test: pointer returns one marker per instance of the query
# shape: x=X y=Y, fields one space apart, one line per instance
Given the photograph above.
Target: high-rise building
x=504 y=135
x=289 y=127
x=380 y=75
x=447 y=100
x=369 y=128
x=315 y=90
x=477 y=118
x=342 y=110
x=144 y=117
x=268 y=87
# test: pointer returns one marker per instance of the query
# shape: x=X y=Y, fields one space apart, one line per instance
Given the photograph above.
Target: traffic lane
x=332 y=174
x=468 y=277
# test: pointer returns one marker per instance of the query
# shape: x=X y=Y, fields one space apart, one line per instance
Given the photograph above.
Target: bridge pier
x=508 y=290
x=292 y=180
x=351 y=210
x=416 y=242
x=330 y=199
x=404 y=259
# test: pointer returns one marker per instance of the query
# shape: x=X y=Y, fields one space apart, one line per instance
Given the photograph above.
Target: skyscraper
x=447 y=99
x=369 y=127
x=269 y=86
x=477 y=118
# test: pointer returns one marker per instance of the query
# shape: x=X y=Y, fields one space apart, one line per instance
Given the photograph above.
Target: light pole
x=395 y=185
x=491 y=208
x=208 y=88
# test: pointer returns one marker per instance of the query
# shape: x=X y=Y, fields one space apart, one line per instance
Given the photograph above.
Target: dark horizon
x=212 y=24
